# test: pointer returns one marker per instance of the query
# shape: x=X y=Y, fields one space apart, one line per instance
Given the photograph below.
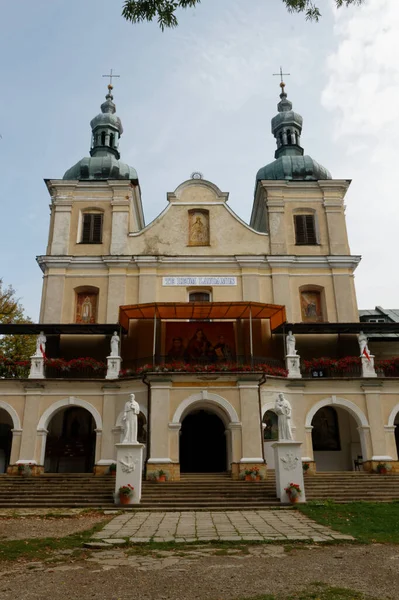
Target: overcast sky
x=200 y=97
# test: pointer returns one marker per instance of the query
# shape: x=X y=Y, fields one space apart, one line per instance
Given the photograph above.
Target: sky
x=200 y=98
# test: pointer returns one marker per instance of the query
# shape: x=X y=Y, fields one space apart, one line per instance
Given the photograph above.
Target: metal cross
x=282 y=84
x=111 y=75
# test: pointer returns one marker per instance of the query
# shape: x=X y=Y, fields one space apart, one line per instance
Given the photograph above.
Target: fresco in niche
x=198 y=228
x=311 y=306
x=325 y=432
x=199 y=342
x=270 y=431
x=86 y=308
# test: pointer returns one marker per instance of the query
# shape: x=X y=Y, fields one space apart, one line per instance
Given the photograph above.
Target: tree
x=14 y=347
x=164 y=11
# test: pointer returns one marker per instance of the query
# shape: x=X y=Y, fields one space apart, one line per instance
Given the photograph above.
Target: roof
x=392 y=314
x=202 y=311
x=382 y=331
x=57 y=329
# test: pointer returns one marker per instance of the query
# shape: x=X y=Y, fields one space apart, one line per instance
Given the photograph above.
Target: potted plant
x=252 y=474
x=125 y=493
x=383 y=468
x=161 y=475
x=25 y=470
x=112 y=469
x=293 y=492
x=305 y=467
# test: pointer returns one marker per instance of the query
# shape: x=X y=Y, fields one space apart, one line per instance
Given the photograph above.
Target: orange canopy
x=202 y=311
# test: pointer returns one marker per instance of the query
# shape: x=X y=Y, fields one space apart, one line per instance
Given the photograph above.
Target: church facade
x=201 y=304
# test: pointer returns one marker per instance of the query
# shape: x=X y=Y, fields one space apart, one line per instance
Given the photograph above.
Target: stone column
x=174 y=441
x=107 y=454
x=252 y=450
x=30 y=451
x=375 y=417
x=15 y=445
x=160 y=450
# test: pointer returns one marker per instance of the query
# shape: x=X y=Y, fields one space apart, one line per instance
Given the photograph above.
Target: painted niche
x=198 y=227
x=86 y=308
x=311 y=307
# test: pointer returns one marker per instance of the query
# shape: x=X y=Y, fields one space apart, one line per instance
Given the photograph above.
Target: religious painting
x=86 y=307
x=311 y=307
x=198 y=227
x=200 y=342
x=270 y=430
x=325 y=432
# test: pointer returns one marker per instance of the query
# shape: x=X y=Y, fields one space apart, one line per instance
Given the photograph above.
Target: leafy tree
x=14 y=347
x=164 y=11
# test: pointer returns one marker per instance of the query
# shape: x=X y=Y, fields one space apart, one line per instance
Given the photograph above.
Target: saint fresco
x=200 y=342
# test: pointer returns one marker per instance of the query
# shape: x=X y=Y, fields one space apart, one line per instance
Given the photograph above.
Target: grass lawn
x=318 y=591
x=367 y=521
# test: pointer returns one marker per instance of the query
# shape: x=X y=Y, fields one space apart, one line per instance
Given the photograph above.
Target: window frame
x=304 y=216
x=92 y=238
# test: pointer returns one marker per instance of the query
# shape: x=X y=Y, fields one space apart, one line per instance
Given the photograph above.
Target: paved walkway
x=255 y=525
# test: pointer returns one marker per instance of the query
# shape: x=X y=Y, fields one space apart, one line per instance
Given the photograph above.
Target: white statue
x=283 y=410
x=290 y=342
x=362 y=339
x=132 y=409
x=41 y=344
x=115 y=344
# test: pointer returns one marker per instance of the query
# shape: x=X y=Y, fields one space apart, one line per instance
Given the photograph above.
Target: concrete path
x=255 y=525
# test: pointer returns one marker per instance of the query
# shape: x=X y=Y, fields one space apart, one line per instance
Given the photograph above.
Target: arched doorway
x=270 y=436
x=6 y=426
x=71 y=442
x=202 y=443
x=396 y=423
x=335 y=439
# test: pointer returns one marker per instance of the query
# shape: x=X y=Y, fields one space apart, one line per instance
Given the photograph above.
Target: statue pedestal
x=293 y=366
x=288 y=466
x=36 y=367
x=113 y=367
x=368 y=369
x=129 y=469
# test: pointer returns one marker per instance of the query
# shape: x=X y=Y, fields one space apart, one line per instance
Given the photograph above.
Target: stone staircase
x=349 y=486
x=195 y=491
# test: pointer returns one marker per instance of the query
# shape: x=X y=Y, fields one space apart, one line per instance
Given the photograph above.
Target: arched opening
x=71 y=442
x=6 y=426
x=111 y=140
x=270 y=435
x=335 y=438
x=202 y=443
x=103 y=138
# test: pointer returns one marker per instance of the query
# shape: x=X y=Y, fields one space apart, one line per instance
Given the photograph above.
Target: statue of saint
x=115 y=344
x=41 y=344
x=290 y=341
x=363 y=339
x=132 y=409
x=283 y=410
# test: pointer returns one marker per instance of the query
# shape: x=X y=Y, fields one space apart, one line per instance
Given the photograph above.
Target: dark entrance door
x=202 y=443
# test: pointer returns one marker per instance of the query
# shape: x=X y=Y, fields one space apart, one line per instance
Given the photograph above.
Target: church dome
x=290 y=163
x=104 y=161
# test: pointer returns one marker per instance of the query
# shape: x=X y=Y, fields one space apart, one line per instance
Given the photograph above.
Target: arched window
x=103 y=138
x=86 y=305
x=325 y=432
x=92 y=228
x=270 y=432
x=199 y=297
x=312 y=305
x=305 y=230
x=289 y=136
x=111 y=140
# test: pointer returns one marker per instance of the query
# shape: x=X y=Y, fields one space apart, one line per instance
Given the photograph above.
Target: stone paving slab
x=257 y=525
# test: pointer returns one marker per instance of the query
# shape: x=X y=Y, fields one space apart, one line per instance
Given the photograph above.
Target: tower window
x=111 y=140
x=305 y=230
x=92 y=228
x=103 y=138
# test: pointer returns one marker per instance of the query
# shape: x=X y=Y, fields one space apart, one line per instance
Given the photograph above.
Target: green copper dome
x=104 y=161
x=290 y=163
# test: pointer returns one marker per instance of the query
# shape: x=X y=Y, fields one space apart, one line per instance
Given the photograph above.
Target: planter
x=250 y=478
x=162 y=478
x=383 y=471
x=293 y=498
x=124 y=499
